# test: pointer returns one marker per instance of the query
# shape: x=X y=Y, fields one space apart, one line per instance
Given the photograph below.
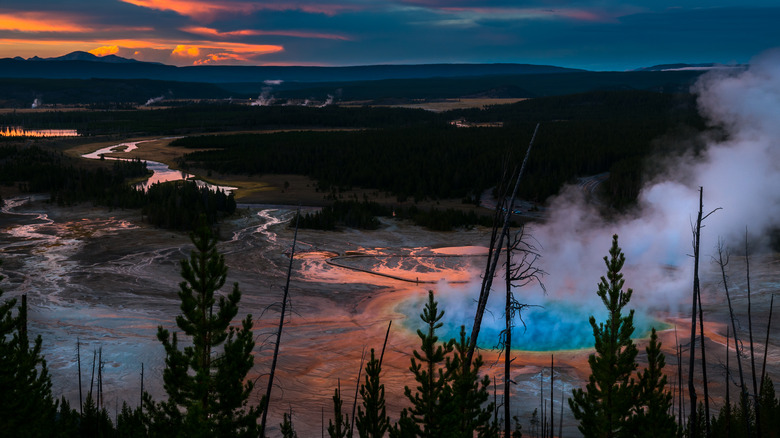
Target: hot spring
x=549 y=326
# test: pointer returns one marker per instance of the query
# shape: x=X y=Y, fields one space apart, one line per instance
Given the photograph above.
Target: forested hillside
x=580 y=135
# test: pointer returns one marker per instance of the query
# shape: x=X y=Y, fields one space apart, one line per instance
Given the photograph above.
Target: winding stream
x=160 y=171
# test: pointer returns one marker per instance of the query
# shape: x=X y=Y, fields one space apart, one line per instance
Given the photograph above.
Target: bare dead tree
x=494 y=251
x=560 y=417
x=387 y=335
x=520 y=272
x=697 y=302
x=542 y=404
x=552 y=395
x=692 y=423
x=357 y=387
x=766 y=342
x=100 y=378
x=756 y=398
x=92 y=378
x=678 y=355
x=267 y=400
x=743 y=391
x=728 y=378
x=78 y=358
x=704 y=366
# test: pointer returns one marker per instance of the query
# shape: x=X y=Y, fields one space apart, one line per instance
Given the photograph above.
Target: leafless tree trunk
x=552 y=395
x=92 y=378
x=508 y=344
x=560 y=417
x=704 y=366
x=756 y=397
x=744 y=398
x=494 y=250
x=697 y=301
x=728 y=381
x=357 y=387
x=766 y=343
x=678 y=354
x=387 y=335
x=520 y=272
x=279 y=331
x=78 y=358
x=692 y=423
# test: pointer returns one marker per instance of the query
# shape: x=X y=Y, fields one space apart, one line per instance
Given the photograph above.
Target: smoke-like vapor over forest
x=737 y=162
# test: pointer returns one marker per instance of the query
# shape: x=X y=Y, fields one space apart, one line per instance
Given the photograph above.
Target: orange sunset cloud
x=186 y=51
x=206 y=10
x=39 y=22
x=105 y=50
x=206 y=31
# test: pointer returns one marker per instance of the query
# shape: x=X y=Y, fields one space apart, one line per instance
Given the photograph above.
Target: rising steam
x=154 y=100
x=265 y=98
x=739 y=172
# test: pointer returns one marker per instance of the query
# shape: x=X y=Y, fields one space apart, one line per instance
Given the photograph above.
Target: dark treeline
x=438 y=162
x=363 y=215
x=216 y=117
x=20 y=92
x=179 y=204
x=502 y=85
x=171 y=205
x=580 y=135
x=35 y=169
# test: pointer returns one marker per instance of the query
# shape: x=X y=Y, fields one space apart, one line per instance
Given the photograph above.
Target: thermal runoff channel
x=737 y=163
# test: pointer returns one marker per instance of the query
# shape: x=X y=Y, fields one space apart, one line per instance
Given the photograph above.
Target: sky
x=589 y=34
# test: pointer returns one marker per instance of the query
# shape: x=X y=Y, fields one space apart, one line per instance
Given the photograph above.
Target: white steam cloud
x=265 y=98
x=739 y=172
x=328 y=101
x=273 y=82
x=154 y=100
x=36 y=103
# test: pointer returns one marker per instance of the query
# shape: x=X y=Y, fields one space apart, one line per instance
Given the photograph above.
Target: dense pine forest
x=581 y=135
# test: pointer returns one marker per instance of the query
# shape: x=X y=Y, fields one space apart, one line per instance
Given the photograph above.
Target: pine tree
x=26 y=405
x=372 y=420
x=95 y=421
x=429 y=408
x=466 y=396
x=605 y=407
x=652 y=417
x=287 y=429
x=207 y=392
x=339 y=426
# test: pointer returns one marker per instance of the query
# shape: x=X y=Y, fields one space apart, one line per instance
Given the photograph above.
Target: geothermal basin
x=108 y=280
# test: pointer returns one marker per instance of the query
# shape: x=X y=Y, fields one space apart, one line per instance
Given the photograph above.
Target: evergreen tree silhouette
x=207 y=394
x=605 y=407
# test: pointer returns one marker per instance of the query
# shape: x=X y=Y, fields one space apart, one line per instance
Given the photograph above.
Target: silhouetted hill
x=83 y=65
x=86 y=56
x=682 y=66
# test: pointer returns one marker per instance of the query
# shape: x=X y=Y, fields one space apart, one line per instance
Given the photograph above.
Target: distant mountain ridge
x=85 y=56
x=682 y=66
x=84 y=65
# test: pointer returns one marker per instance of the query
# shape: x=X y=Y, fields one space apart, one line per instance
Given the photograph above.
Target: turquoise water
x=556 y=326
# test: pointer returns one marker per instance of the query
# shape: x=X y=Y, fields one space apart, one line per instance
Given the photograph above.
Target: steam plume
x=154 y=100
x=328 y=101
x=739 y=172
x=265 y=98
